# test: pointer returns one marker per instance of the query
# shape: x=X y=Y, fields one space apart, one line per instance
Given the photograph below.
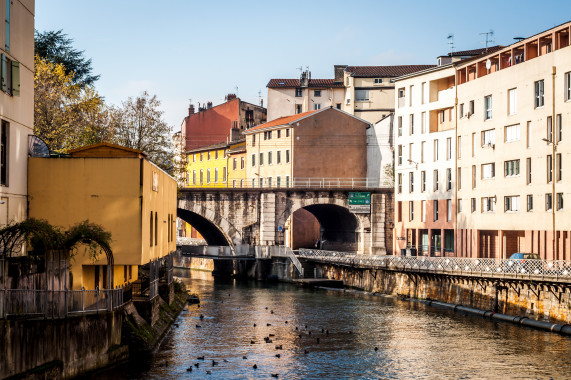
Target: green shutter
x=15 y=78
x=3 y=74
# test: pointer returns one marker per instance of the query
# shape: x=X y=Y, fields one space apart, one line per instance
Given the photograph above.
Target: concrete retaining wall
x=523 y=299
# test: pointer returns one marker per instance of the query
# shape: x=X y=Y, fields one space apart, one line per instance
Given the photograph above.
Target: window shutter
x=15 y=78
x=3 y=74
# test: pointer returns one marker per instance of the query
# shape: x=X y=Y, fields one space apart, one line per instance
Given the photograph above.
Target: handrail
x=296 y=182
x=284 y=251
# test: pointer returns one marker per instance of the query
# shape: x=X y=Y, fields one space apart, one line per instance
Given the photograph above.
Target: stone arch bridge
x=232 y=217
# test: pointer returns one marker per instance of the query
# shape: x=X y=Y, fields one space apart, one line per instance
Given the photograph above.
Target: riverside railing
x=558 y=270
x=296 y=182
x=58 y=303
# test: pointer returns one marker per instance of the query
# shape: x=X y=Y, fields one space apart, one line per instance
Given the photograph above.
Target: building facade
x=224 y=122
x=208 y=166
x=425 y=162
x=117 y=188
x=16 y=106
x=513 y=105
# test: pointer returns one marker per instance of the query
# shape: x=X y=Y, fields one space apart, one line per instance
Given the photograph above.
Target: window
x=253 y=140
x=459 y=147
x=530 y=202
x=489 y=137
x=442 y=116
x=461 y=111
x=287 y=156
x=548 y=202
x=473 y=205
x=471 y=107
x=270 y=158
x=399 y=211
x=287 y=180
x=399 y=183
x=568 y=86
x=317 y=106
x=423 y=122
x=287 y=132
x=549 y=129
x=435 y=179
x=317 y=93
x=558 y=166
x=423 y=211
x=488 y=204
x=399 y=154
x=215 y=154
x=511 y=168
x=459 y=178
x=194 y=177
x=512 y=101
x=400 y=126
x=449 y=210
x=338 y=106
x=449 y=148
x=4 y=152
x=224 y=174
x=423 y=181
x=422 y=92
x=549 y=168
x=459 y=206
x=473 y=176
x=234 y=183
x=151 y=229
x=10 y=76
x=410 y=150
x=208 y=154
x=201 y=156
x=528 y=172
x=278 y=157
x=261 y=158
x=298 y=92
x=435 y=209
x=559 y=201
x=253 y=159
x=488 y=171
x=269 y=181
x=473 y=143
x=278 y=181
x=410 y=182
x=361 y=95
x=410 y=211
x=201 y=176
x=378 y=80
x=298 y=108
x=242 y=162
x=558 y=127
x=261 y=182
x=448 y=179
x=528 y=135
x=215 y=175
x=411 y=125
x=234 y=163
x=488 y=107
x=156 y=228
x=512 y=133
x=511 y=203
x=435 y=153
x=539 y=92
x=207 y=175
x=279 y=132
x=422 y=151
x=410 y=95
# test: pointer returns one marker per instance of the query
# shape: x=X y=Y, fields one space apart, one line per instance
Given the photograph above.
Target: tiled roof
x=281 y=121
x=286 y=83
x=474 y=52
x=209 y=147
x=385 y=71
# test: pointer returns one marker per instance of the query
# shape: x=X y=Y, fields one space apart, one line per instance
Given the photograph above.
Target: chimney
x=338 y=72
x=191 y=110
x=209 y=105
x=261 y=102
x=230 y=97
x=304 y=80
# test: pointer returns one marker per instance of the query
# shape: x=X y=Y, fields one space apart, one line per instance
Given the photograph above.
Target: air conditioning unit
x=348 y=101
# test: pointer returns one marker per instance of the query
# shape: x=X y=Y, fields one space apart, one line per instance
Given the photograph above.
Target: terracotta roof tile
x=385 y=71
x=281 y=121
x=287 y=83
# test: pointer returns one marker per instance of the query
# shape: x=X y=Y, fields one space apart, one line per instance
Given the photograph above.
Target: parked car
x=523 y=263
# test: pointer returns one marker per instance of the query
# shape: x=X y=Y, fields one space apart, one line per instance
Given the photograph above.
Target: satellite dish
x=488 y=64
x=37 y=147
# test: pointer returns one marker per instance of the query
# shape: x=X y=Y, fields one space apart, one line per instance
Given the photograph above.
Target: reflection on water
x=343 y=330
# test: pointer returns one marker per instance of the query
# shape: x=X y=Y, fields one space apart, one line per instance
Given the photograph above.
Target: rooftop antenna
x=190 y=101
x=300 y=68
x=450 y=39
x=489 y=38
x=518 y=39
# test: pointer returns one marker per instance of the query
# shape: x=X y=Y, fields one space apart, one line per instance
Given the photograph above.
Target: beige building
x=513 y=105
x=16 y=105
x=425 y=162
x=117 y=188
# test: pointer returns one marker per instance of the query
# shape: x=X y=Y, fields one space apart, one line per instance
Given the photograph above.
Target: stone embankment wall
x=518 y=298
x=60 y=348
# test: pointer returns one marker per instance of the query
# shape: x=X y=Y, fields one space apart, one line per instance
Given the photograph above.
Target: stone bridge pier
x=232 y=217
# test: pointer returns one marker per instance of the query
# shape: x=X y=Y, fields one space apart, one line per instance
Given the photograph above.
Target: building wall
x=380 y=152
x=17 y=110
x=534 y=225
x=109 y=192
x=237 y=177
x=208 y=160
x=424 y=145
x=282 y=101
x=257 y=146
x=381 y=97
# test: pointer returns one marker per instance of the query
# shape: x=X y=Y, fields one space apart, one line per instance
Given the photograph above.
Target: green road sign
x=359 y=198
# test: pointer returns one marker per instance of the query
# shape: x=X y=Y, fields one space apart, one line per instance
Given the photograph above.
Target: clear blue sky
x=204 y=49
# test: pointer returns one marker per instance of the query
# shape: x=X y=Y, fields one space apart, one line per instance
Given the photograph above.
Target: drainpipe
x=554 y=147
x=456 y=162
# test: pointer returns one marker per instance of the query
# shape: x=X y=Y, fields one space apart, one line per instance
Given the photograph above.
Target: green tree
x=138 y=124
x=67 y=115
x=56 y=47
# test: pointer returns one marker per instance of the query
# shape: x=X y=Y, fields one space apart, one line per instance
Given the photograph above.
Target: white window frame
x=512 y=133
x=487 y=107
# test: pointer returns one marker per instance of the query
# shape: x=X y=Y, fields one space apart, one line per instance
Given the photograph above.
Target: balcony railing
x=297 y=182
x=557 y=270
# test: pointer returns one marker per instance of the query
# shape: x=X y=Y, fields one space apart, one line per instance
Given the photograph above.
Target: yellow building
x=208 y=166
x=237 y=164
x=117 y=188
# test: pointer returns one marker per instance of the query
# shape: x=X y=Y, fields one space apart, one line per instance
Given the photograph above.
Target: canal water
x=327 y=334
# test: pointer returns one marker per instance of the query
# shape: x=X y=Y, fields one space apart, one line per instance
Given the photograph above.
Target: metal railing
x=545 y=269
x=58 y=303
x=296 y=182
x=286 y=252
